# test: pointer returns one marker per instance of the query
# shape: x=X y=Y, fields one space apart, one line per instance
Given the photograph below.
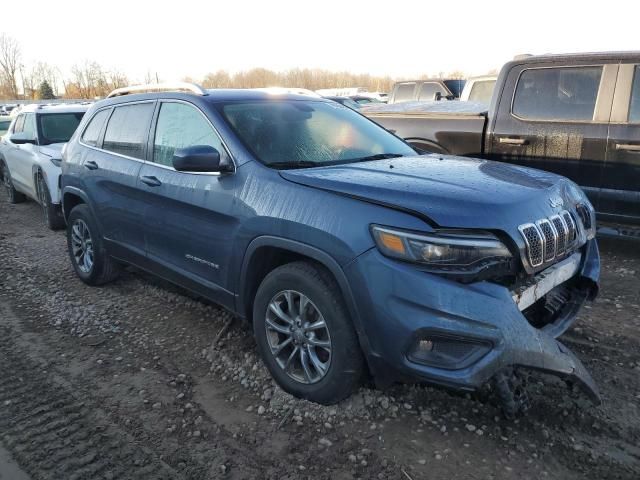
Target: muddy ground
x=123 y=382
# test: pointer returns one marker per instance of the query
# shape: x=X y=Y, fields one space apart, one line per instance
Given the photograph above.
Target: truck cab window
x=428 y=91
x=561 y=94
x=634 y=106
x=404 y=93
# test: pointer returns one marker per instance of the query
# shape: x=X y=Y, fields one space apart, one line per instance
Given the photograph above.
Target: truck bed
x=444 y=127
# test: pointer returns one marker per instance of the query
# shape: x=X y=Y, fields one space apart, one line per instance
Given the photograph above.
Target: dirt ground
x=123 y=382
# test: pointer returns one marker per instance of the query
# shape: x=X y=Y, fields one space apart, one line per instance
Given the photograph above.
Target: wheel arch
x=71 y=197
x=257 y=264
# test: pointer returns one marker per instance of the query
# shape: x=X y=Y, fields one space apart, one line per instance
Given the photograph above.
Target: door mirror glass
x=22 y=138
x=438 y=96
x=197 y=158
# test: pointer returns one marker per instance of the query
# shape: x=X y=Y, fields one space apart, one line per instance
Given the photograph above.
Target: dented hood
x=448 y=191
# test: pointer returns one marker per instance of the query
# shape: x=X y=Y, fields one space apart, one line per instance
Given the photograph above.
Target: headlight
x=56 y=161
x=458 y=251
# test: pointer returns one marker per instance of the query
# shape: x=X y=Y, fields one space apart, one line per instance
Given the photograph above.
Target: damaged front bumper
x=415 y=325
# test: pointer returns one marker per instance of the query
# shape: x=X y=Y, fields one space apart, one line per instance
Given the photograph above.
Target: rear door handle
x=151 y=181
x=628 y=146
x=513 y=141
x=91 y=165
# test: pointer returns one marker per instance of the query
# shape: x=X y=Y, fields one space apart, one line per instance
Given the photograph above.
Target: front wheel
x=52 y=214
x=86 y=249
x=304 y=334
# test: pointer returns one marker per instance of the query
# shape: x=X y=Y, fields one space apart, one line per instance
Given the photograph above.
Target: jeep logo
x=556 y=202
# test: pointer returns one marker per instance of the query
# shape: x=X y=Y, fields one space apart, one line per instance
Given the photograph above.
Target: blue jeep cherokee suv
x=347 y=251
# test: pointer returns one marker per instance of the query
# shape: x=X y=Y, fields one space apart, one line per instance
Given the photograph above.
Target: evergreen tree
x=45 y=92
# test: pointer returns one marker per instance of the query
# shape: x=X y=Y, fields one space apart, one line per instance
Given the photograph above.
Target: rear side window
x=179 y=126
x=634 y=106
x=127 y=129
x=91 y=134
x=562 y=94
x=404 y=92
x=428 y=91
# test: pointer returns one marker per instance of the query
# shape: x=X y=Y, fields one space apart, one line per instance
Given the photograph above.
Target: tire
x=12 y=193
x=341 y=366
x=95 y=267
x=52 y=214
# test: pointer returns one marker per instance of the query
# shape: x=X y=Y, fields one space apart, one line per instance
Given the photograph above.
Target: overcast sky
x=398 y=38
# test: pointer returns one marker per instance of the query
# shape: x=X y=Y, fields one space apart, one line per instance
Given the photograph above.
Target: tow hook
x=510 y=388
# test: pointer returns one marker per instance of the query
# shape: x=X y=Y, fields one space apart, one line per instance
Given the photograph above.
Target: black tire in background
x=52 y=214
x=82 y=226
x=346 y=367
x=13 y=194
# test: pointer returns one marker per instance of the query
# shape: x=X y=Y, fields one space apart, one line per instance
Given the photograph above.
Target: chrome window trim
x=546 y=120
x=622 y=97
x=127 y=157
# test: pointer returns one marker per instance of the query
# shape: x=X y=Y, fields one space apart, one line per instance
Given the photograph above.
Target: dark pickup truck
x=577 y=115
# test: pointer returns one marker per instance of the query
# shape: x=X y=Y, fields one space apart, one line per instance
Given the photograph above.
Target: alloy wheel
x=298 y=337
x=82 y=245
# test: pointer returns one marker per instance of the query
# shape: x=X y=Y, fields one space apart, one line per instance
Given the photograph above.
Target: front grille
x=585 y=215
x=549 y=238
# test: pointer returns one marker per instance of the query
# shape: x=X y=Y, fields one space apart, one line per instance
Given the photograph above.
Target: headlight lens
x=461 y=251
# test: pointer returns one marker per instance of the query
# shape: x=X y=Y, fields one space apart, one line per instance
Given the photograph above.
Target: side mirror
x=21 y=138
x=438 y=96
x=198 y=158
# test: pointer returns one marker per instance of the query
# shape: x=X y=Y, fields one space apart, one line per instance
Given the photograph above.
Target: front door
x=189 y=223
x=620 y=196
x=557 y=121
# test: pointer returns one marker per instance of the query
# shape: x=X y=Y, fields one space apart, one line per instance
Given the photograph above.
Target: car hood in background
x=448 y=191
x=53 y=150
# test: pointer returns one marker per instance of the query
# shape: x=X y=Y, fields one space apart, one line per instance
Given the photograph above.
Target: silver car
x=31 y=152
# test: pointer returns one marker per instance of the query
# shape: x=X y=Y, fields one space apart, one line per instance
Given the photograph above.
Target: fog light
x=447 y=352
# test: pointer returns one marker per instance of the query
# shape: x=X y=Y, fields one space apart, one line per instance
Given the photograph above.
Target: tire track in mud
x=52 y=432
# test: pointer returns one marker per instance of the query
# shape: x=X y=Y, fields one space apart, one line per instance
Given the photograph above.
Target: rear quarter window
x=91 y=134
x=557 y=94
x=404 y=92
x=128 y=128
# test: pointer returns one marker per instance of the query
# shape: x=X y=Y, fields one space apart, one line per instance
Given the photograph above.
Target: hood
x=53 y=150
x=450 y=191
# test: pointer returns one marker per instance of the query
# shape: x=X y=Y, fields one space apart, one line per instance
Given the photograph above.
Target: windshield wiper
x=292 y=165
x=377 y=156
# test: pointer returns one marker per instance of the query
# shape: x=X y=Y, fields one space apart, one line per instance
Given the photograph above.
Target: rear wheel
x=86 y=248
x=52 y=214
x=304 y=334
x=12 y=193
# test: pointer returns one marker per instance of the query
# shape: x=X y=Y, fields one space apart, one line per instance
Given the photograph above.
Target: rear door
x=556 y=120
x=620 y=195
x=112 y=173
x=188 y=217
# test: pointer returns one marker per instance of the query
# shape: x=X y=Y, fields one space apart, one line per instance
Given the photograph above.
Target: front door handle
x=151 y=181
x=91 y=165
x=628 y=146
x=514 y=141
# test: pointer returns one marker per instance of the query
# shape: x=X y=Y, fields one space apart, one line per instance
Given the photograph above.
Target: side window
x=562 y=94
x=29 y=128
x=180 y=125
x=634 y=106
x=428 y=91
x=127 y=129
x=91 y=134
x=404 y=92
x=17 y=128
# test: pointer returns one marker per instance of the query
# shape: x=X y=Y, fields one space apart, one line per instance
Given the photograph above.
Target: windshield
x=58 y=127
x=289 y=134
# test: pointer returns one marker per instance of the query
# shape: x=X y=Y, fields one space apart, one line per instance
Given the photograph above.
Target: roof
x=215 y=95
x=624 y=55
x=61 y=108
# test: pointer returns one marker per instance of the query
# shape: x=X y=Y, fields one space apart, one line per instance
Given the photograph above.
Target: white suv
x=30 y=155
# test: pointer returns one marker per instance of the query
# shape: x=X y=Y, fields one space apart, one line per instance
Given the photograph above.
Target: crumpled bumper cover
x=397 y=302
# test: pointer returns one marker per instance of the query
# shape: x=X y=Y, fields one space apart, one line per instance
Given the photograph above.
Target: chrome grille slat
x=562 y=231
x=534 y=242
x=549 y=237
x=571 y=225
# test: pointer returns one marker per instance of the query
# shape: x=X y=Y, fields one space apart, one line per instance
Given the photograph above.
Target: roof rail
x=156 y=87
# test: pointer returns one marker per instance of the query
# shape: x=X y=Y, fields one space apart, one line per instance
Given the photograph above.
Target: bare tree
x=9 y=63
